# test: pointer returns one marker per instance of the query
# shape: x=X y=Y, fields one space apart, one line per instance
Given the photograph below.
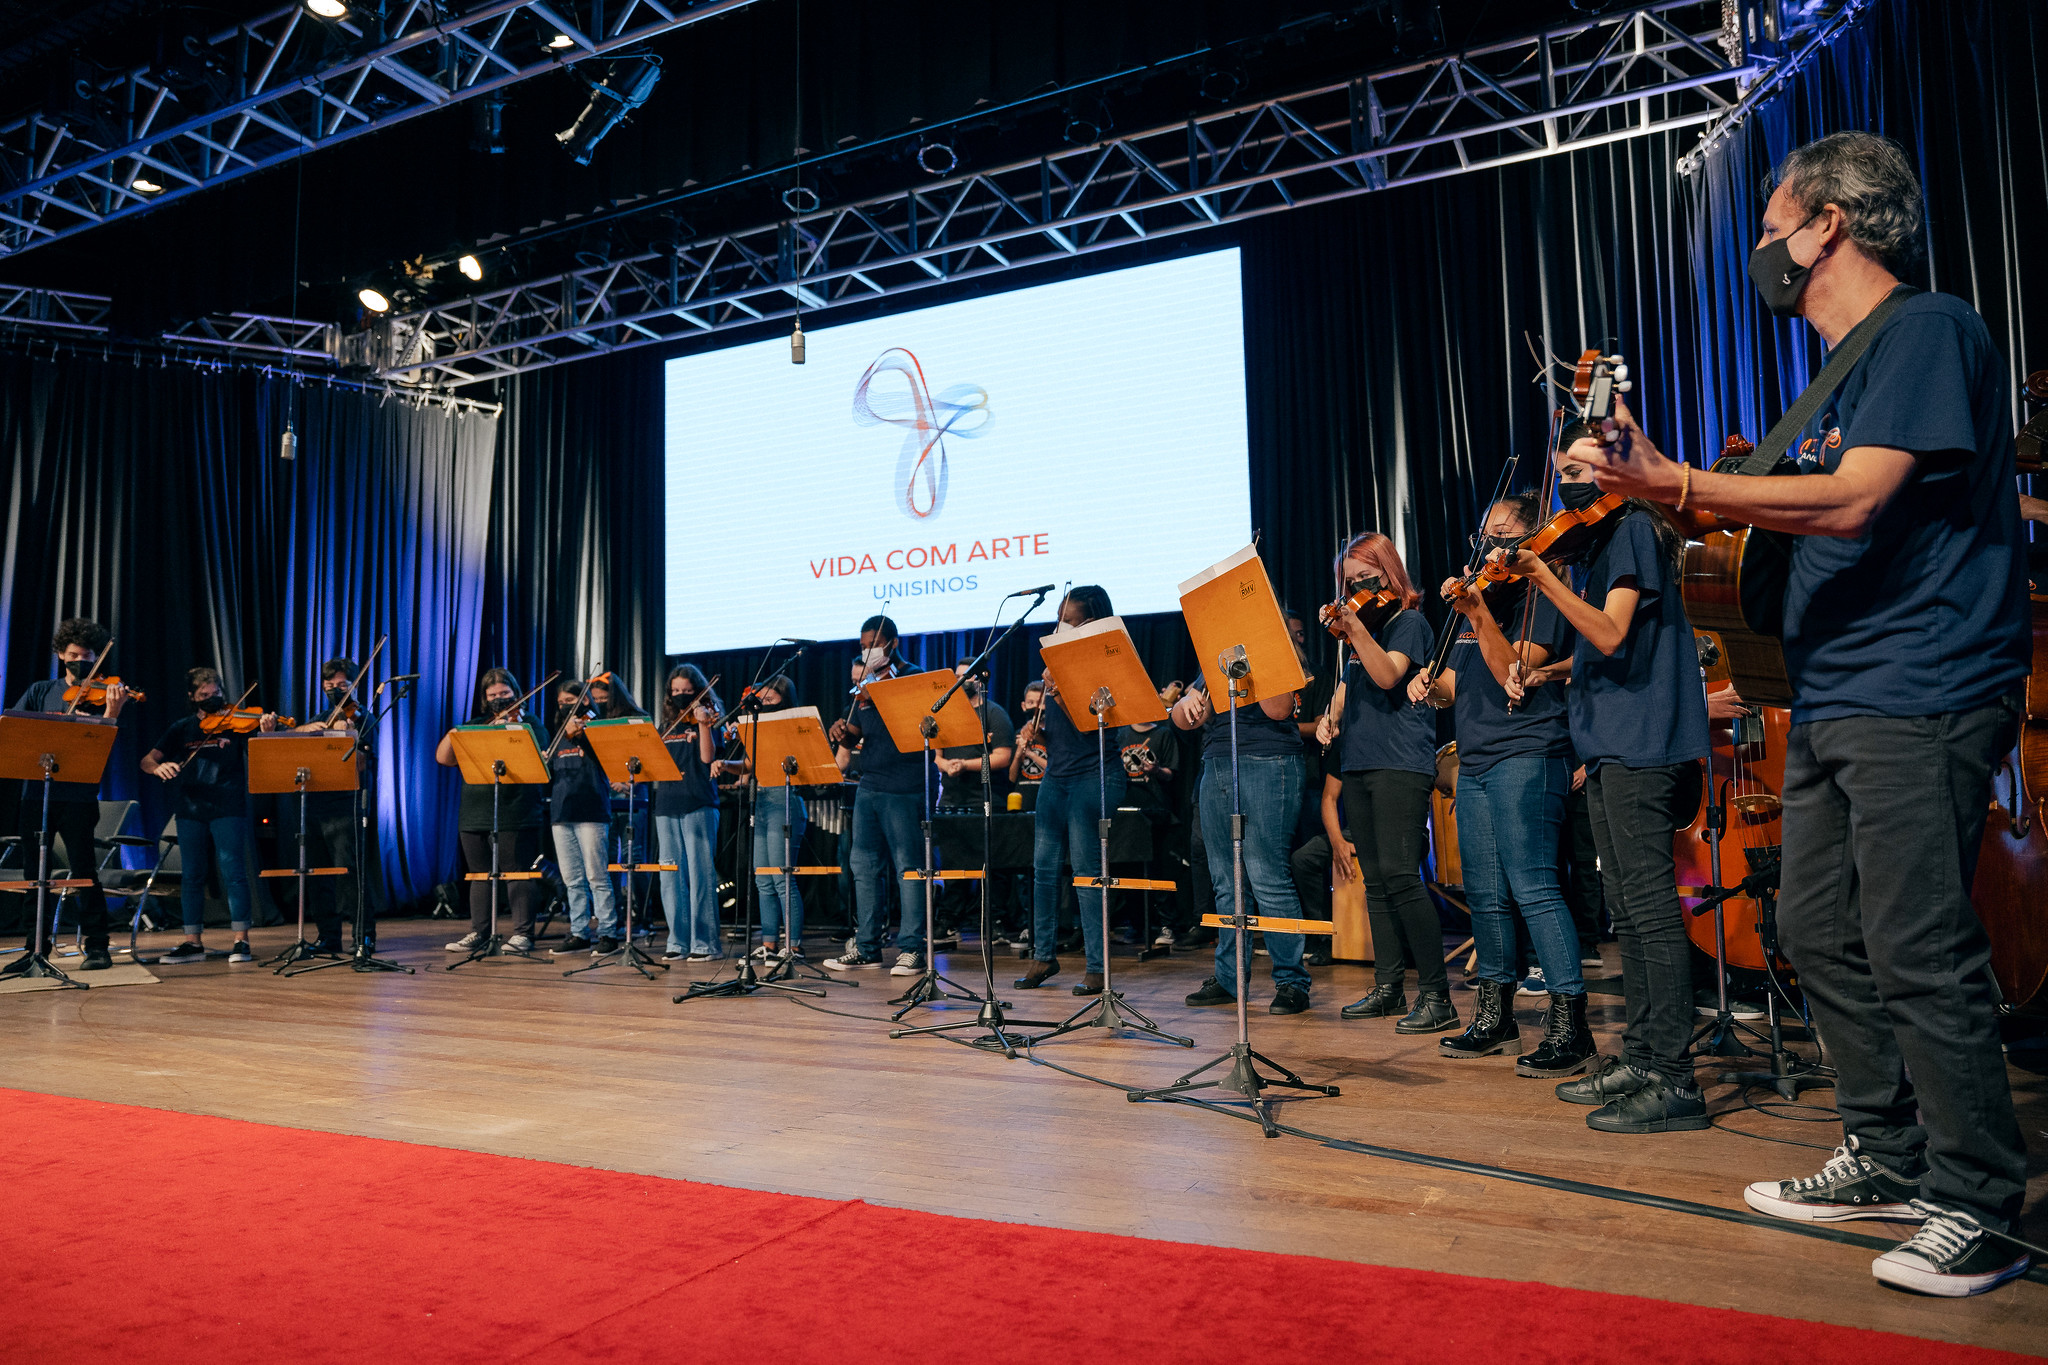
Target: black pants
x=1633 y=815
x=517 y=848
x=1387 y=812
x=71 y=847
x=331 y=842
x=1579 y=872
x=1882 y=822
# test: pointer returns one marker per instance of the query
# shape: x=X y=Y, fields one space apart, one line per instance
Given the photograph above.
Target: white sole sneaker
x=1903 y=1270
x=901 y=970
x=1764 y=1198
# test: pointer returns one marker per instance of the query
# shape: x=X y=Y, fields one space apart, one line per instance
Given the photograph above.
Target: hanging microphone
x=288 y=445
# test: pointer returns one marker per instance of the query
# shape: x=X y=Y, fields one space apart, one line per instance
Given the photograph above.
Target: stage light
x=936 y=158
x=796 y=344
x=142 y=186
x=471 y=267
x=327 y=9
x=373 y=300
x=560 y=41
x=625 y=89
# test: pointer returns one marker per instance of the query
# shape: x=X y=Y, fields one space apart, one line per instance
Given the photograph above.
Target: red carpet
x=166 y=1236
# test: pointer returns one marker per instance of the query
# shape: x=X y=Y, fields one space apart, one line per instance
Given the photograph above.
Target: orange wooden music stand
x=302 y=761
x=35 y=746
x=631 y=751
x=497 y=756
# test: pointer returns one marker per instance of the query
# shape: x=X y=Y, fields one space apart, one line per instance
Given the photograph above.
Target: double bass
x=2011 y=889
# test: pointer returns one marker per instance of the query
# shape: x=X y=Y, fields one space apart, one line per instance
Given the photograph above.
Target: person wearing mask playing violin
x=580 y=812
x=1386 y=749
x=1514 y=778
x=74 y=806
x=1638 y=723
x=686 y=817
x=518 y=815
x=887 y=808
x=774 y=695
x=1907 y=642
x=331 y=827
x=1070 y=802
x=211 y=769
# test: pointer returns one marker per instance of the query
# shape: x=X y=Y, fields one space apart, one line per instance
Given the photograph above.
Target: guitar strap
x=1764 y=459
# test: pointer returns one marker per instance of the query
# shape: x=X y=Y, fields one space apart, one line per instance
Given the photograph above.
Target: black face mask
x=214 y=703
x=337 y=693
x=1780 y=279
x=682 y=701
x=76 y=669
x=1578 y=496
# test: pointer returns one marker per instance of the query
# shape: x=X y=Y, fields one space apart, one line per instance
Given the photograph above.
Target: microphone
x=403 y=677
x=1041 y=591
x=792 y=640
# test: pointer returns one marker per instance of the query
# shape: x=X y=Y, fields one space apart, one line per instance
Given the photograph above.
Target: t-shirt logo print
x=921 y=466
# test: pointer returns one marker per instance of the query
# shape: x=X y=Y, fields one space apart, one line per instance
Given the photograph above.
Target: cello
x=2011 y=888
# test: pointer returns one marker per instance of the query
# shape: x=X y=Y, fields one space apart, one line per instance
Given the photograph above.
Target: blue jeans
x=886 y=833
x=1063 y=822
x=1509 y=819
x=768 y=852
x=1269 y=792
x=690 y=893
x=204 y=845
x=583 y=852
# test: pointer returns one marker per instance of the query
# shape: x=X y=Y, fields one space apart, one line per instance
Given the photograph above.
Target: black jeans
x=517 y=848
x=1387 y=812
x=1633 y=817
x=71 y=847
x=1310 y=865
x=1882 y=821
x=331 y=842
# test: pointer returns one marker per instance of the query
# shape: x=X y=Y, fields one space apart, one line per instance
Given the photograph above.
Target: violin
x=1372 y=603
x=93 y=692
x=240 y=720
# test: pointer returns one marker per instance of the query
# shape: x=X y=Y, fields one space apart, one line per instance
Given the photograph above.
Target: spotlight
x=142 y=186
x=936 y=158
x=327 y=9
x=373 y=300
x=796 y=344
x=625 y=89
x=471 y=267
x=560 y=41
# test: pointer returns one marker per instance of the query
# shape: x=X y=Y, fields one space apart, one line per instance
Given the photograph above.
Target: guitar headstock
x=1595 y=381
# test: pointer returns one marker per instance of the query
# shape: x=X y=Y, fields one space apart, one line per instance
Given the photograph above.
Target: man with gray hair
x=1907 y=641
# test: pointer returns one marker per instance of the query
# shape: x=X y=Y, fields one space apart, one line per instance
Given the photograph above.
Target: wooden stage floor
x=508 y=1057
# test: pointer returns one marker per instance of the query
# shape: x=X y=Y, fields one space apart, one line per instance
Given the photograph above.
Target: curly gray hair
x=1869 y=178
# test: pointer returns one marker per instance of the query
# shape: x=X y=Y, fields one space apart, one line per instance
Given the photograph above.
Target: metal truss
x=1598 y=79
x=258 y=334
x=273 y=88
x=53 y=310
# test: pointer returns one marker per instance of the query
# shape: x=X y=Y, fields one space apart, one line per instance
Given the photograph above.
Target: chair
x=161 y=880
x=107 y=843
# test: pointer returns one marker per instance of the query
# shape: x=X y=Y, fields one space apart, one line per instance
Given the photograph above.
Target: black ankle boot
x=1433 y=1013
x=1493 y=1028
x=1567 y=1046
x=1378 y=1003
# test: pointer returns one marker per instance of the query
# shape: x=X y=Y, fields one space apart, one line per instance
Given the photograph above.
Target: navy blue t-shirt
x=213 y=771
x=696 y=790
x=1487 y=731
x=1642 y=706
x=1380 y=727
x=1258 y=735
x=1071 y=752
x=1928 y=612
x=580 y=793
x=883 y=767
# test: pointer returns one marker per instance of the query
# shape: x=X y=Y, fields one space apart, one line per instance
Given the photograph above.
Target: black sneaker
x=606 y=946
x=1212 y=993
x=18 y=965
x=1659 y=1107
x=852 y=960
x=184 y=952
x=1850 y=1185
x=1381 y=1002
x=575 y=943
x=97 y=959
x=1952 y=1255
x=1288 y=1000
x=328 y=947
x=1609 y=1081
x=240 y=952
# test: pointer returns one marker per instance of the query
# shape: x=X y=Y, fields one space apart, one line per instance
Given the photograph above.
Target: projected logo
x=893 y=392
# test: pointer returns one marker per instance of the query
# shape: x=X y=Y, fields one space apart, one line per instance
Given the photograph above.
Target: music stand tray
x=1248 y=656
x=786 y=749
x=631 y=751
x=496 y=756
x=1101 y=684
x=35 y=746
x=302 y=761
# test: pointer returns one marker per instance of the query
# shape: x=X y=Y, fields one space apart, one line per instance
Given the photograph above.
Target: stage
x=508 y=1058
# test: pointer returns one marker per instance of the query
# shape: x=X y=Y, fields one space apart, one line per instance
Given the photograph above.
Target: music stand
x=630 y=750
x=1101 y=684
x=35 y=746
x=494 y=755
x=301 y=761
x=1235 y=620
x=906 y=707
x=787 y=749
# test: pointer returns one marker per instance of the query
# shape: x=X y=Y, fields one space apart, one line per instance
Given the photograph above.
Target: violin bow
x=355 y=682
x=710 y=689
x=86 y=681
x=556 y=742
x=511 y=708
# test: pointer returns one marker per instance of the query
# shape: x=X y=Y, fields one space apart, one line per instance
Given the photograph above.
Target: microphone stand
x=992 y=1028
x=363 y=959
